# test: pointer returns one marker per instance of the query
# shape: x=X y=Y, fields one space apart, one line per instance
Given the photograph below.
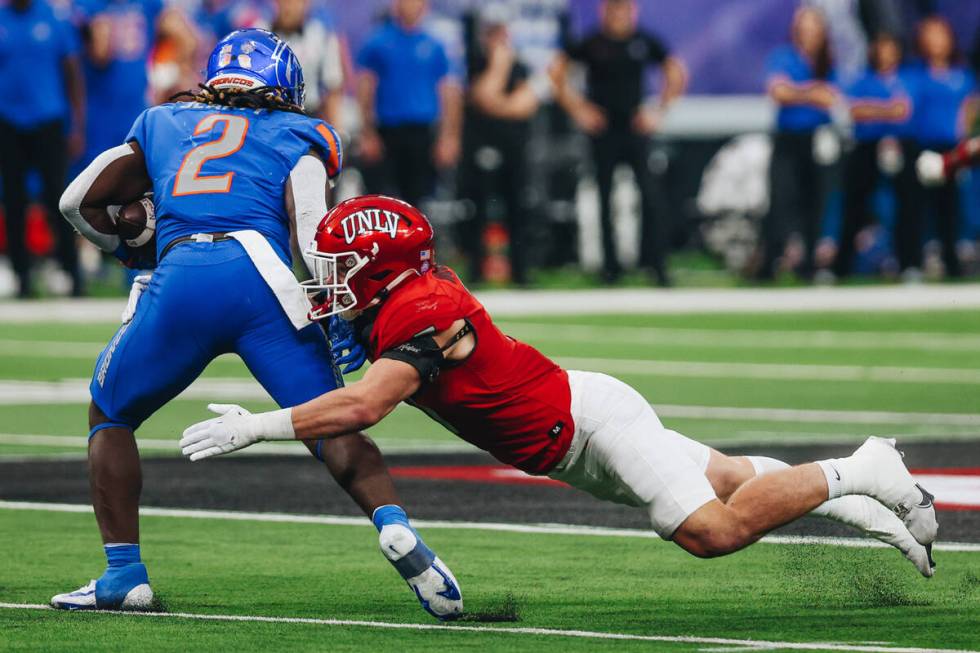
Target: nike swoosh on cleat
x=927 y=497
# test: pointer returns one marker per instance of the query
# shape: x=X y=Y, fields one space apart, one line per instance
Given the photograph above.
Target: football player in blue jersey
x=235 y=169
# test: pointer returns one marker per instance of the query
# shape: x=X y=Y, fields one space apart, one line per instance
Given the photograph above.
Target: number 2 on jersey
x=189 y=180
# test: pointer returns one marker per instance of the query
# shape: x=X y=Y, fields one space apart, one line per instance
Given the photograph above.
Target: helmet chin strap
x=391 y=286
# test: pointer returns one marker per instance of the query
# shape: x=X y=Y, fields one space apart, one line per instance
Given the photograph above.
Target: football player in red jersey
x=434 y=346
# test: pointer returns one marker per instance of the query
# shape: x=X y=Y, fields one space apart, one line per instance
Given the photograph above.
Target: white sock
x=832 y=471
x=852 y=510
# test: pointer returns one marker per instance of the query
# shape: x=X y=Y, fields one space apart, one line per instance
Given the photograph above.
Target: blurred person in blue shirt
x=119 y=38
x=799 y=80
x=411 y=106
x=42 y=121
x=881 y=104
x=946 y=105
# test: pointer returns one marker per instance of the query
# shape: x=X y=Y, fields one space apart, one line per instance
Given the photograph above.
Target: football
x=136 y=223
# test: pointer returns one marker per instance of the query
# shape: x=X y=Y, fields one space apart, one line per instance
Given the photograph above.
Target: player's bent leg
x=757 y=507
x=296 y=366
x=115 y=477
x=166 y=345
x=116 y=481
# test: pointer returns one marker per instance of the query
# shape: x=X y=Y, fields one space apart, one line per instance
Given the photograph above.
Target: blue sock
x=390 y=514
x=120 y=555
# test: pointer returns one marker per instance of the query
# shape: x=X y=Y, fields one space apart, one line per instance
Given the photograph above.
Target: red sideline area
x=956 y=488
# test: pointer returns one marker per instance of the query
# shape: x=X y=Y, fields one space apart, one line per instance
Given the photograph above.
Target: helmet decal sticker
x=368 y=220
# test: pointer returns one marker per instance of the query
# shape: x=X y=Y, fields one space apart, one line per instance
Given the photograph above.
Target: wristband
x=274 y=425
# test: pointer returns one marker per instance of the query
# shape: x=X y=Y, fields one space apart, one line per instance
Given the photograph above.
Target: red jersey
x=506 y=398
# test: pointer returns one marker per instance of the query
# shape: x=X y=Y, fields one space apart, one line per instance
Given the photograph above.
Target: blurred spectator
x=798 y=79
x=616 y=59
x=945 y=106
x=120 y=36
x=881 y=107
x=319 y=52
x=215 y=18
x=975 y=57
x=405 y=95
x=176 y=58
x=39 y=64
x=499 y=108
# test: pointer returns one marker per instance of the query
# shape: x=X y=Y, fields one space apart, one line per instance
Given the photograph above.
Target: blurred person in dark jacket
x=614 y=113
x=500 y=103
x=42 y=124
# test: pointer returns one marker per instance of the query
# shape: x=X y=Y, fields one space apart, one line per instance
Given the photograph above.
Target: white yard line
x=545 y=529
x=509 y=630
x=71 y=391
x=387 y=445
x=633 y=335
x=743 y=338
x=425 y=446
x=773 y=371
x=610 y=300
x=819 y=416
x=49 y=349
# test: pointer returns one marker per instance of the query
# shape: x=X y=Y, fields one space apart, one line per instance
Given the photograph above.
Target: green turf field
x=770 y=592
x=720 y=378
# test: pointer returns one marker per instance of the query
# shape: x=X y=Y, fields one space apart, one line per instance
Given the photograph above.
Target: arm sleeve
x=775 y=66
x=368 y=58
x=574 y=51
x=422 y=353
x=328 y=144
x=68 y=41
x=138 y=132
x=440 y=64
x=309 y=182
x=657 y=52
x=71 y=200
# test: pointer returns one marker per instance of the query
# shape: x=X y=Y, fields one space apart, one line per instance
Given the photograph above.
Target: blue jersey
x=874 y=87
x=785 y=62
x=409 y=67
x=33 y=47
x=219 y=169
x=939 y=116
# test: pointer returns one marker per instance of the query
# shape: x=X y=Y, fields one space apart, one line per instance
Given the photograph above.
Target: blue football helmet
x=256 y=58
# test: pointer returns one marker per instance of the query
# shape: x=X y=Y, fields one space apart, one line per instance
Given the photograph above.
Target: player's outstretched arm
x=354 y=408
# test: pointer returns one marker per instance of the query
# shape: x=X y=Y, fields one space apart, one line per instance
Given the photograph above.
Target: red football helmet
x=363 y=248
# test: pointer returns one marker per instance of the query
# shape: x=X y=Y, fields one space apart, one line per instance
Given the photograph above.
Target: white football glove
x=930 y=168
x=236 y=428
x=139 y=285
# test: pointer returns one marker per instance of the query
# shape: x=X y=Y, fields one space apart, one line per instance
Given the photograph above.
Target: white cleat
x=889 y=481
x=869 y=516
x=433 y=583
x=138 y=598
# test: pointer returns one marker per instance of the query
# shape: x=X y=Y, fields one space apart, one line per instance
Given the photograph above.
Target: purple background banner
x=723 y=42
